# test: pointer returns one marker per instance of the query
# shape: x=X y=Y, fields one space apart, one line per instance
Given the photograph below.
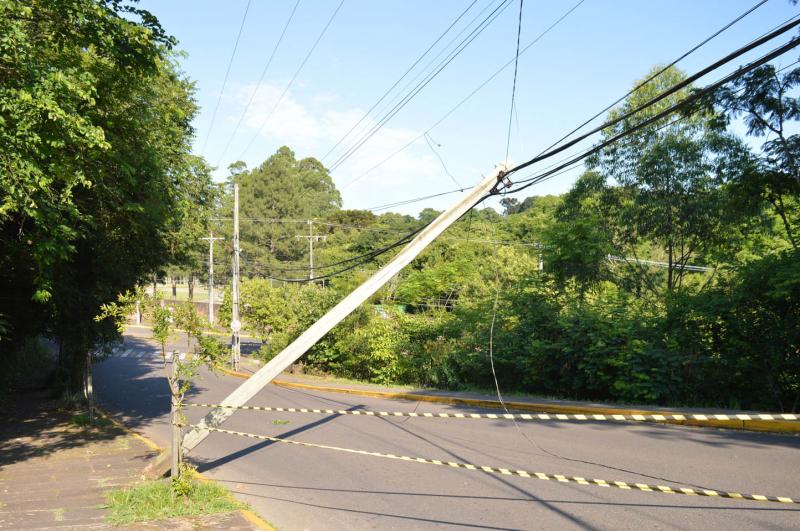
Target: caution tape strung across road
x=651 y=417
x=624 y=485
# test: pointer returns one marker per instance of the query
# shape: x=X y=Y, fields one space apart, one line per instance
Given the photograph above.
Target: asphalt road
x=307 y=488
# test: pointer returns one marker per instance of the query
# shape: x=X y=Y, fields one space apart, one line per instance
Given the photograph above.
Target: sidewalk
x=53 y=474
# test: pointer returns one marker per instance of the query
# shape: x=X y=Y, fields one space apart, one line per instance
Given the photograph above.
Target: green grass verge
x=156 y=500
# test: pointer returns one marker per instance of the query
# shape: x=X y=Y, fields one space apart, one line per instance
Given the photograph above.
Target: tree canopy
x=94 y=166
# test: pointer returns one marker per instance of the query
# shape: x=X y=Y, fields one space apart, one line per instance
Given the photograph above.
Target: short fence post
x=175 y=414
x=89 y=390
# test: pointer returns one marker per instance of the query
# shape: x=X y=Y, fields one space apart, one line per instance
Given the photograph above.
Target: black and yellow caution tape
x=652 y=417
x=624 y=485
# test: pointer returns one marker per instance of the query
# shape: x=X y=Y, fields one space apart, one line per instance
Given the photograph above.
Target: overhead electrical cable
x=353 y=264
x=433 y=61
x=389 y=90
x=397 y=108
x=514 y=83
x=258 y=83
x=294 y=77
x=676 y=87
x=429 y=140
x=573 y=162
x=225 y=80
x=467 y=97
x=695 y=96
x=657 y=74
x=360 y=259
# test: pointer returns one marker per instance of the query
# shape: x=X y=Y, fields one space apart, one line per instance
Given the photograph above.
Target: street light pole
x=236 y=324
x=211 y=239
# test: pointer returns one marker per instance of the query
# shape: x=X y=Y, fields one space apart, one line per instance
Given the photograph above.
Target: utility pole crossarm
x=335 y=315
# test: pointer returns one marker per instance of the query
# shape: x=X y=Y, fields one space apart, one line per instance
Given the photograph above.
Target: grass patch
x=156 y=500
x=280 y=422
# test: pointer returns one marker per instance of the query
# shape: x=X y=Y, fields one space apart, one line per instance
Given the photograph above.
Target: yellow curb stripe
x=779 y=423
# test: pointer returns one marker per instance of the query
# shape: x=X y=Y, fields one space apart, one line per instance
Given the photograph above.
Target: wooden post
x=89 y=390
x=175 y=417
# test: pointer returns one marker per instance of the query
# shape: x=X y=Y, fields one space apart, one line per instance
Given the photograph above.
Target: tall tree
x=767 y=102
x=671 y=171
x=94 y=132
x=282 y=188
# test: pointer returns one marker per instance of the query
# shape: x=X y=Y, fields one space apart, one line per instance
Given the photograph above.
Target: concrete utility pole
x=211 y=239
x=335 y=315
x=311 y=239
x=236 y=324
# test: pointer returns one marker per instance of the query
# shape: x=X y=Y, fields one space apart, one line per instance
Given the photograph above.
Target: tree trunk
x=174 y=288
x=191 y=286
x=669 y=270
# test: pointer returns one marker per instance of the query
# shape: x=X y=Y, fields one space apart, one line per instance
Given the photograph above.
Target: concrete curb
x=774 y=426
x=247 y=514
x=205 y=332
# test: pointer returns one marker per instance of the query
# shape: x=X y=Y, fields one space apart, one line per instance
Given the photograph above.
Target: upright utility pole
x=345 y=307
x=311 y=239
x=211 y=239
x=236 y=324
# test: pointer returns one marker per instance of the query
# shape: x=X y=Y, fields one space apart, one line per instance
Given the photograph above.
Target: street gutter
x=775 y=426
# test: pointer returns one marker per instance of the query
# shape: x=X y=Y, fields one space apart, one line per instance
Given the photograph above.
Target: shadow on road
x=204 y=465
x=745 y=506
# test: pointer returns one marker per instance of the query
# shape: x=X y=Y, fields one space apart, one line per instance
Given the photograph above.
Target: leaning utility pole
x=311 y=239
x=211 y=239
x=335 y=315
x=236 y=324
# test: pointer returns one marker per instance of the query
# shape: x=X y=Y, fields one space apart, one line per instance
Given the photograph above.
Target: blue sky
x=590 y=59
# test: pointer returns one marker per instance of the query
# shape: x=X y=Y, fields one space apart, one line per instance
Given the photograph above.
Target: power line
x=793 y=43
x=678 y=86
x=468 y=96
x=294 y=77
x=258 y=84
x=514 y=84
x=459 y=17
x=429 y=140
x=412 y=200
x=657 y=74
x=466 y=42
x=225 y=80
x=427 y=68
x=382 y=230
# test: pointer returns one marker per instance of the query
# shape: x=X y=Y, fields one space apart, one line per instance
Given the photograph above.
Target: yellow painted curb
x=247 y=514
x=773 y=426
x=205 y=332
x=242 y=375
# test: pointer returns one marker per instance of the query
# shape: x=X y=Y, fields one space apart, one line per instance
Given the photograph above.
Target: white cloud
x=310 y=126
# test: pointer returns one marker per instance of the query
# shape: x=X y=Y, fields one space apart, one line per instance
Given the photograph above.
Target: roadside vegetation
x=162 y=499
x=618 y=312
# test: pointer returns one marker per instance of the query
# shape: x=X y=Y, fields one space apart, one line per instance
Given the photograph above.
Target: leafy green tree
x=670 y=173
x=94 y=133
x=282 y=188
x=764 y=99
x=577 y=246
